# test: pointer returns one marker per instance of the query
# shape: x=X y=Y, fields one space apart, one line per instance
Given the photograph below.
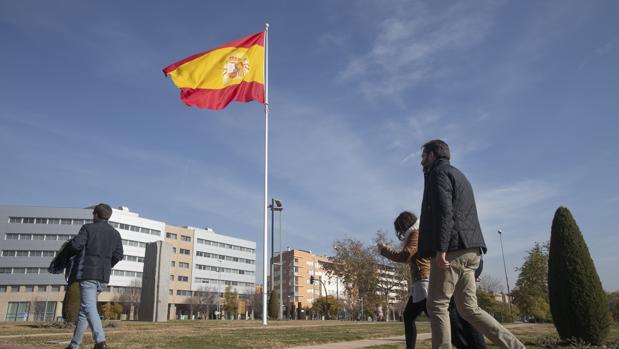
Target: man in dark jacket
x=450 y=234
x=66 y=262
x=99 y=247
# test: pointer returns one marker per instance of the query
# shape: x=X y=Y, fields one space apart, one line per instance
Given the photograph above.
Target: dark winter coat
x=449 y=219
x=100 y=247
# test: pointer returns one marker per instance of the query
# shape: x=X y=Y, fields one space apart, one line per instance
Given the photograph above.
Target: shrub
x=578 y=303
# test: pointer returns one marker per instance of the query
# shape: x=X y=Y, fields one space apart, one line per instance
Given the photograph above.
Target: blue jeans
x=89 y=290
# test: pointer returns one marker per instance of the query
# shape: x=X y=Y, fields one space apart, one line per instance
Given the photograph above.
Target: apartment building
x=298 y=266
x=31 y=236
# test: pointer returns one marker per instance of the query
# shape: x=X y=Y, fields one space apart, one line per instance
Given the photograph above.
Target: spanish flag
x=231 y=72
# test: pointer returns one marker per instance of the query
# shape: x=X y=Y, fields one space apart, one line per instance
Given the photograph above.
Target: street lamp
x=509 y=301
x=277 y=205
x=218 y=293
x=337 y=292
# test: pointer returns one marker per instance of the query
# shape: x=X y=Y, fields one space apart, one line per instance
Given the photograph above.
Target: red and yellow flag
x=231 y=72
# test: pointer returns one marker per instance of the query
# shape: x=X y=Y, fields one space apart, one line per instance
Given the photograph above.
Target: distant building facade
x=298 y=266
x=31 y=236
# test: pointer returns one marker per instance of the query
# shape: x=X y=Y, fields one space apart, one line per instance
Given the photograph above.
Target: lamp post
x=276 y=205
x=509 y=300
x=218 y=293
x=337 y=298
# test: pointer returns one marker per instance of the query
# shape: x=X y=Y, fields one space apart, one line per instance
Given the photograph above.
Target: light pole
x=47 y=298
x=509 y=300
x=276 y=205
x=337 y=298
x=218 y=293
x=281 y=265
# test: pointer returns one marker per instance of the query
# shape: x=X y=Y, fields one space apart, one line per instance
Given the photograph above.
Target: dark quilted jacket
x=449 y=219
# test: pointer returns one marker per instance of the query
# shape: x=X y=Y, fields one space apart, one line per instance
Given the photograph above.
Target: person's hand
x=441 y=262
x=381 y=245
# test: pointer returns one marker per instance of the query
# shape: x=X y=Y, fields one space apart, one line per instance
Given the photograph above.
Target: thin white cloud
x=411 y=44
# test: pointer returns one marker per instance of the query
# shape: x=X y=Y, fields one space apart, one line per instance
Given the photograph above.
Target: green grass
x=529 y=336
x=213 y=334
x=244 y=334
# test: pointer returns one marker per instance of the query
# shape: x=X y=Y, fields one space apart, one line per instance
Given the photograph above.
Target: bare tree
x=356 y=265
x=130 y=296
x=202 y=301
x=254 y=304
x=491 y=283
x=393 y=277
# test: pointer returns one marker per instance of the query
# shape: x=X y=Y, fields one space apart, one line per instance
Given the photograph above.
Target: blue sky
x=525 y=93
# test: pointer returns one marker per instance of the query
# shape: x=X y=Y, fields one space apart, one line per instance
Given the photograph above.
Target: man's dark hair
x=439 y=148
x=103 y=211
x=404 y=221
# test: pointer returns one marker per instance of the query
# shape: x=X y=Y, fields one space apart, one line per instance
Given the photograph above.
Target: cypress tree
x=71 y=302
x=274 y=305
x=578 y=302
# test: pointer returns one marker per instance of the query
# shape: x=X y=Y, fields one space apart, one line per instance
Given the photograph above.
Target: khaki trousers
x=459 y=281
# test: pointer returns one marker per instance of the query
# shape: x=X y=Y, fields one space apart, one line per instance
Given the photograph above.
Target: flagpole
x=266 y=173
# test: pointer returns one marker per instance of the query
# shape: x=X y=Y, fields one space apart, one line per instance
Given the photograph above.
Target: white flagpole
x=266 y=173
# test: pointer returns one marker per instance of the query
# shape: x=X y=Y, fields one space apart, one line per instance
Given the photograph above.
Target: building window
x=28 y=288
x=18 y=311
x=170 y=236
x=19 y=270
x=173 y=249
x=28 y=220
x=171 y=277
x=185 y=238
x=2 y=288
x=173 y=263
x=15 y=220
x=182 y=278
x=65 y=221
x=171 y=292
x=44 y=311
x=10 y=236
x=183 y=265
x=8 y=253
x=185 y=251
x=41 y=288
x=55 y=288
x=32 y=270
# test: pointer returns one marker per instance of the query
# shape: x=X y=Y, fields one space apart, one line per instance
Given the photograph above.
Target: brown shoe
x=101 y=345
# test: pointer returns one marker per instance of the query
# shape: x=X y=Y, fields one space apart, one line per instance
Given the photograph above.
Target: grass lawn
x=527 y=335
x=242 y=334
x=210 y=334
